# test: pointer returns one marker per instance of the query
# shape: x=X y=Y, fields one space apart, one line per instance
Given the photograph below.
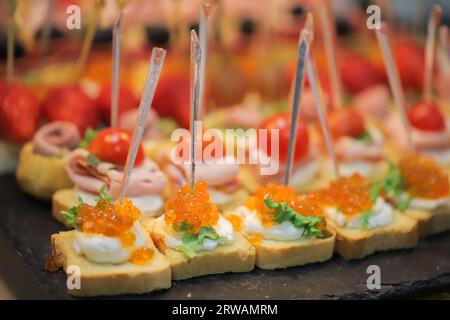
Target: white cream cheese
x=223 y=228
x=103 y=249
x=382 y=214
x=284 y=231
x=146 y=204
x=219 y=197
x=428 y=204
x=364 y=168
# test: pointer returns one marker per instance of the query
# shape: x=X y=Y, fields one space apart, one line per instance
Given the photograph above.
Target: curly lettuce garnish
x=285 y=213
x=190 y=242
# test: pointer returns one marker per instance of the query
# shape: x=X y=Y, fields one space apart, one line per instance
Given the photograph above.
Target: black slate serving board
x=26 y=225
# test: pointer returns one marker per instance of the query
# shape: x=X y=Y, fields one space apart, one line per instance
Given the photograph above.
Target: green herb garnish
x=88 y=137
x=365 y=137
x=393 y=186
x=71 y=215
x=92 y=160
x=365 y=216
x=190 y=241
x=103 y=195
x=285 y=213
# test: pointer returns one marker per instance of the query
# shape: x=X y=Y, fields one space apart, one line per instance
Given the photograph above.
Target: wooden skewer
x=443 y=36
x=88 y=39
x=303 y=50
x=196 y=76
x=154 y=70
x=11 y=6
x=394 y=81
x=47 y=27
x=330 y=51
x=116 y=47
x=433 y=23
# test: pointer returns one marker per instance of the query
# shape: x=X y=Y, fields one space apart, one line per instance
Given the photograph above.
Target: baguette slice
x=431 y=222
x=356 y=243
x=65 y=199
x=272 y=254
x=98 y=279
x=41 y=176
x=238 y=256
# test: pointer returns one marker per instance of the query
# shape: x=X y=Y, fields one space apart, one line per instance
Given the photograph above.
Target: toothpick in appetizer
x=99 y=167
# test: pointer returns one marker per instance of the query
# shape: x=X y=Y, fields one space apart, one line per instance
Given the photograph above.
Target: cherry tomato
x=410 y=60
x=70 y=103
x=172 y=98
x=346 y=122
x=283 y=123
x=426 y=116
x=127 y=100
x=112 y=144
x=19 y=113
x=358 y=73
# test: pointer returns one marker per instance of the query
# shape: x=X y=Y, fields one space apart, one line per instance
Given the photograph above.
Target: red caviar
x=422 y=177
x=349 y=194
x=113 y=220
x=306 y=205
x=255 y=238
x=235 y=221
x=194 y=208
x=141 y=256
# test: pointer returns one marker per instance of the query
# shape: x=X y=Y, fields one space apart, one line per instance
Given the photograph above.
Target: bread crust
x=39 y=175
x=109 y=279
x=272 y=254
x=238 y=256
x=431 y=222
x=66 y=198
x=352 y=243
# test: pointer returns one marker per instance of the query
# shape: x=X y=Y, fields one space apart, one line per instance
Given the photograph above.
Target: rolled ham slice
x=373 y=101
x=128 y=121
x=145 y=179
x=350 y=149
x=52 y=137
x=422 y=140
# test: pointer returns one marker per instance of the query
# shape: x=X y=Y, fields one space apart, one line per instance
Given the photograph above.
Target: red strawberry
x=127 y=100
x=69 y=103
x=19 y=113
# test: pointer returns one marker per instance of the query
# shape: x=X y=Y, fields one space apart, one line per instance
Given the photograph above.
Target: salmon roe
x=113 y=220
x=255 y=238
x=422 y=177
x=194 y=208
x=306 y=205
x=349 y=194
x=141 y=256
x=235 y=221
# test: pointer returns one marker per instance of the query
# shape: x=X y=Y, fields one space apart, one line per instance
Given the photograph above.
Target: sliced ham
x=350 y=149
x=52 y=137
x=145 y=179
x=373 y=101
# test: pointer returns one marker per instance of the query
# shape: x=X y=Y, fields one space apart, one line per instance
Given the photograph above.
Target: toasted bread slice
x=66 y=198
x=272 y=254
x=41 y=176
x=356 y=243
x=98 y=279
x=431 y=222
x=238 y=256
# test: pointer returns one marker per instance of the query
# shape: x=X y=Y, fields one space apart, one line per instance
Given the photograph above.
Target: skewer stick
x=321 y=112
x=443 y=36
x=88 y=39
x=203 y=35
x=154 y=70
x=47 y=27
x=11 y=5
x=330 y=51
x=394 y=80
x=303 y=50
x=196 y=57
x=196 y=76
x=116 y=47
x=430 y=46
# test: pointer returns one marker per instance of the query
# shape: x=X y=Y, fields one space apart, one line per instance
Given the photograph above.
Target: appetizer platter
x=120 y=175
